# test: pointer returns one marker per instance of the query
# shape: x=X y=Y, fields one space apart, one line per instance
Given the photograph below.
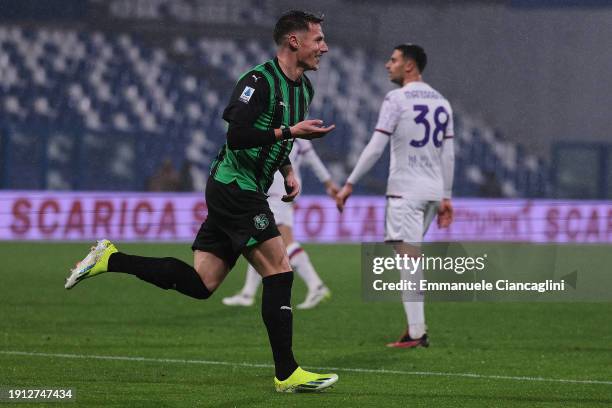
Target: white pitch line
x=254 y=365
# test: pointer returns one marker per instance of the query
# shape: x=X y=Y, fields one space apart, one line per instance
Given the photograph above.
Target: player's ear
x=293 y=41
x=409 y=66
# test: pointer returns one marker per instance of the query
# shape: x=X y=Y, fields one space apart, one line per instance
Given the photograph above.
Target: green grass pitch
x=201 y=353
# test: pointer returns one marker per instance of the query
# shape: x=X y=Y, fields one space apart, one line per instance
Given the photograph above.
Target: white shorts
x=408 y=220
x=283 y=212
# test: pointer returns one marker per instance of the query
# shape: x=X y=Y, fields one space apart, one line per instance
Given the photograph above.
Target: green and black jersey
x=263 y=99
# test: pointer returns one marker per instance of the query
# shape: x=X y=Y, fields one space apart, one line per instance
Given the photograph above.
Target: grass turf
x=118 y=315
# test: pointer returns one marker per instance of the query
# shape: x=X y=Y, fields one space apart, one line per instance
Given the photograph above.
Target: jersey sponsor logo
x=255 y=77
x=246 y=94
x=261 y=221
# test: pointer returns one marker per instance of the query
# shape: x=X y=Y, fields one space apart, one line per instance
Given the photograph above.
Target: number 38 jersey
x=417 y=118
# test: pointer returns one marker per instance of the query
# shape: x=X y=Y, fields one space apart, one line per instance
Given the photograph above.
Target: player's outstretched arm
x=368 y=157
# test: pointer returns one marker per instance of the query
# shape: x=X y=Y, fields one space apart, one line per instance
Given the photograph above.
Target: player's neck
x=289 y=66
x=412 y=78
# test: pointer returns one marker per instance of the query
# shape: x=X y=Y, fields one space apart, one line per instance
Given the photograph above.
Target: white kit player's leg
x=414 y=305
x=408 y=221
x=300 y=262
x=415 y=308
x=246 y=297
x=252 y=282
x=298 y=258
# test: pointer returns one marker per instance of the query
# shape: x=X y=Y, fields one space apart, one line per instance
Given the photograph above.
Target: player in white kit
x=418 y=122
x=302 y=152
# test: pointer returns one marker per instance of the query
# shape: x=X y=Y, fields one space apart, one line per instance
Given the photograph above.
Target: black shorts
x=237 y=219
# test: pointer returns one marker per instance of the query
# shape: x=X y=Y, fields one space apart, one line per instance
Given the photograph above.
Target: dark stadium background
x=529 y=81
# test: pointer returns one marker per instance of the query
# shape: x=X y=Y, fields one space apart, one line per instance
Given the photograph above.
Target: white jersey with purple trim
x=302 y=152
x=417 y=118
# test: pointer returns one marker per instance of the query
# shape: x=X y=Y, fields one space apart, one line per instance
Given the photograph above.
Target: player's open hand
x=343 y=195
x=445 y=213
x=310 y=129
x=292 y=187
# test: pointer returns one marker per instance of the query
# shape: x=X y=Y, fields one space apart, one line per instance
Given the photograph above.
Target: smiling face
x=310 y=46
x=397 y=67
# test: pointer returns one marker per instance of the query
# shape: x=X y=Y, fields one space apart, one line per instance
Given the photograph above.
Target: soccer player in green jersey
x=267 y=110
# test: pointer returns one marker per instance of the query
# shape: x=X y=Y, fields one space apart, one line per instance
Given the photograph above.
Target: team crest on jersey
x=261 y=221
x=246 y=94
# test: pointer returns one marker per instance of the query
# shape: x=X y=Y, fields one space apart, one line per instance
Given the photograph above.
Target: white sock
x=415 y=314
x=299 y=260
x=415 y=308
x=253 y=279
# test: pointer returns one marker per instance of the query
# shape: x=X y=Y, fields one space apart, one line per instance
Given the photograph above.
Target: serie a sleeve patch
x=246 y=94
